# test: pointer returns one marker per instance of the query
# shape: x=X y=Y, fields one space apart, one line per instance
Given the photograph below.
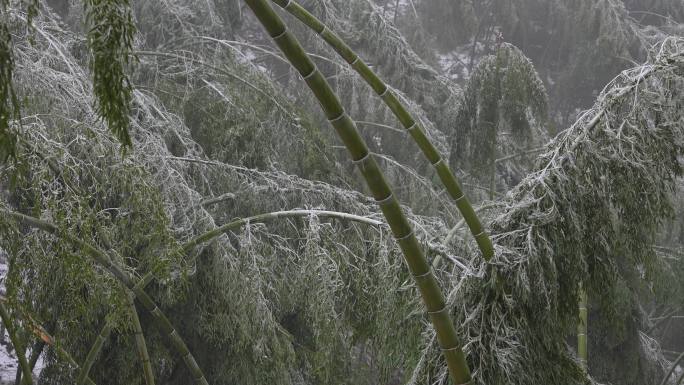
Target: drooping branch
x=209 y=235
x=110 y=39
x=162 y=322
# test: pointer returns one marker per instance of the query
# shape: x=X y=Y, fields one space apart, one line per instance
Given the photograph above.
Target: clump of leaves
x=8 y=105
x=504 y=94
x=110 y=37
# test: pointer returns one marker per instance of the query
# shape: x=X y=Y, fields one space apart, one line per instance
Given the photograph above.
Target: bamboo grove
x=217 y=192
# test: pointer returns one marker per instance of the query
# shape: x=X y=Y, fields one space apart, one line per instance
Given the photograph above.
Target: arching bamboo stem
x=402 y=114
x=161 y=321
x=391 y=209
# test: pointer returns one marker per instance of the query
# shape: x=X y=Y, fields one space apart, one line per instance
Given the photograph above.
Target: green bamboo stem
x=672 y=368
x=46 y=339
x=402 y=114
x=18 y=348
x=399 y=224
x=454 y=230
x=582 y=330
x=93 y=353
x=36 y=351
x=140 y=344
x=161 y=321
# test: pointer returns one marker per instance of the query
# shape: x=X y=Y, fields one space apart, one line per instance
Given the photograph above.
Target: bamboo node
x=405 y=236
x=420 y=276
x=289 y=2
x=444 y=308
x=362 y=159
x=385 y=200
x=451 y=350
x=313 y=71
x=382 y=95
x=460 y=198
x=280 y=35
x=333 y=120
x=441 y=160
x=323 y=30
x=413 y=126
x=356 y=60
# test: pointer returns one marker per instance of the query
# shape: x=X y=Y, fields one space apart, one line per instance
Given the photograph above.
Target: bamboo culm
x=36 y=351
x=94 y=351
x=212 y=234
x=582 y=330
x=402 y=114
x=141 y=346
x=161 y=321
x=140 y=343
x=389 y=205
x=19 y=350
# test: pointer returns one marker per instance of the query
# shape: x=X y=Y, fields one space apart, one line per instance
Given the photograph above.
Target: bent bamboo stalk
x=36 y=351
x=140 y=343
x=93 y=353
x=211 y=234
x=43 y=336
x=402 y=114
x=399 y=224
x=21 y=353
x=162 y=322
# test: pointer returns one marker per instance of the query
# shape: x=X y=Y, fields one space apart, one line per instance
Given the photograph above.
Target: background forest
x=176 y=207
